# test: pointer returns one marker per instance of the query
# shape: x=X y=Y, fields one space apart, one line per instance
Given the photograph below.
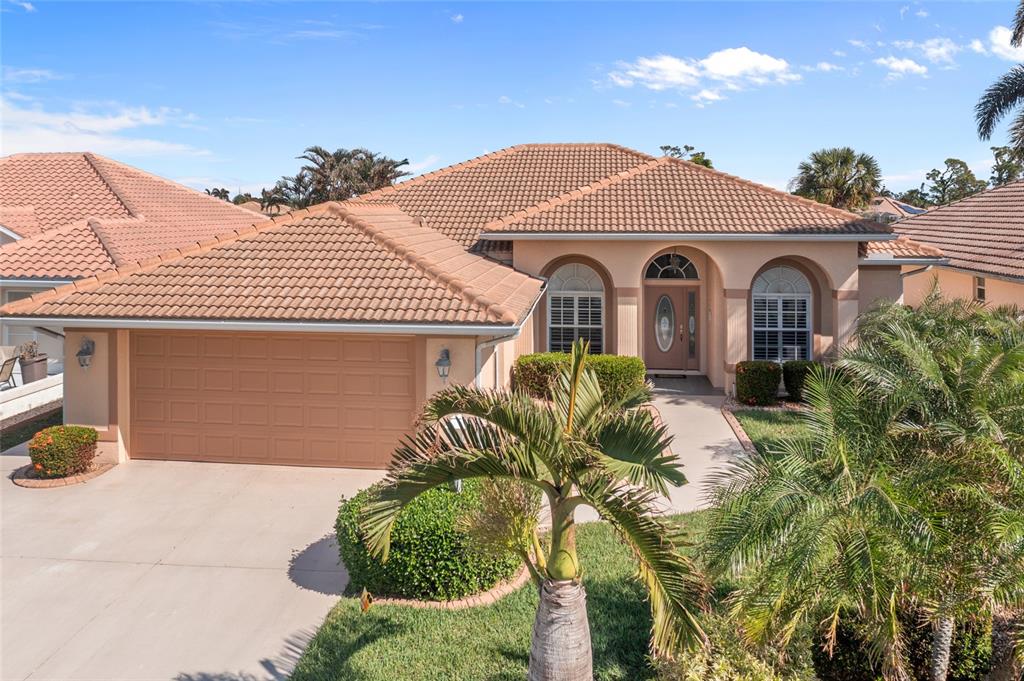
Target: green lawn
x=765 y=428
x=20 y=433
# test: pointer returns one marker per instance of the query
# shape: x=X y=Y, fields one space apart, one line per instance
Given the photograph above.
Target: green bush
x=970 y=653
x=618 y=375
x=431 y=558
x=60 y=451
x=757 y=382
x=794 y=374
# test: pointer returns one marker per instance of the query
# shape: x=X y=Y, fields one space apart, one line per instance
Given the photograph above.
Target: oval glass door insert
x=664 y=323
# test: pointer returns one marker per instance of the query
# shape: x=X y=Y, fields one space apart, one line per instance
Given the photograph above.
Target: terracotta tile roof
x=130 y=213
x=890 y=206
x=459 y=200
x=671 y=195
x=983 y=233
x=334 y=262
x=901 y=247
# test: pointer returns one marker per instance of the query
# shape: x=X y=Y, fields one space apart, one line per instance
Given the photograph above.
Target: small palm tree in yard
x=908 y=497
x=579 y=449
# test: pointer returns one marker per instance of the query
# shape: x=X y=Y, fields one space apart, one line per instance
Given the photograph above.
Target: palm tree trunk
x=942 y=641
x=560 y=647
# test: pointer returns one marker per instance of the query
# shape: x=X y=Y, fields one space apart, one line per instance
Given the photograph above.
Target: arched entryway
x=672 y=313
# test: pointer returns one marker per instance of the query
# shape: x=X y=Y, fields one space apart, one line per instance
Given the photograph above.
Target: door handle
x=682 y=332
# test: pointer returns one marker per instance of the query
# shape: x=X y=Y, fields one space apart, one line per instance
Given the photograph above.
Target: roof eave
x=679 y=236
x=896 y=262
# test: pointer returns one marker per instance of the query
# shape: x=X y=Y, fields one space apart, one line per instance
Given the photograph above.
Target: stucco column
x=845 y=308
x=627 y=311
x=737 y=327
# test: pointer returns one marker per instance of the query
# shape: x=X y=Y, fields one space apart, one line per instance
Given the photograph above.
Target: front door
x=672 y=328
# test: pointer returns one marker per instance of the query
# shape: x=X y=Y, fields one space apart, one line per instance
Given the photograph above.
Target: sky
x=229 y=94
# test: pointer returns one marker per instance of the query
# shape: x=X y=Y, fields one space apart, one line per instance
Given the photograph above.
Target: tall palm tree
x=580 y=449
x=839 y=176
x=1005 y=95
x=219 y=193
x=343 y=173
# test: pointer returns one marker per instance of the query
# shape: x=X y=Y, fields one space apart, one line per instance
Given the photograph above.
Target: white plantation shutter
x=575 y=308
x=781 y=320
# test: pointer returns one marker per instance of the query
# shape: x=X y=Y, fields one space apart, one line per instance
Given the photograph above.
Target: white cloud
x=824 y=66
x=901 y=67
x=734 y=68
x=978 y=46
x=27 y=6
x=12 y=74
x=999 y=45
x=838 y=53
x=621 y=103
x=505 y=100
x=705 y=97
x=904 y=10
x=921 y=13
x=425 y=164
x=34 y=129
x=935 y=50
x=859 y=43
x=457 y=19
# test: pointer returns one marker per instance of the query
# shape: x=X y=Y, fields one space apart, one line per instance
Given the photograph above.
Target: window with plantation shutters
x=781 y=315
x=575 y=308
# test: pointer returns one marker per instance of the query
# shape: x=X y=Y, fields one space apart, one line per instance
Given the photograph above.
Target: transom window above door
x=575 y=308
x=671 y=266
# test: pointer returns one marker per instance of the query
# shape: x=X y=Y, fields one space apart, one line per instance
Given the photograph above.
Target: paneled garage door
x=300 y=399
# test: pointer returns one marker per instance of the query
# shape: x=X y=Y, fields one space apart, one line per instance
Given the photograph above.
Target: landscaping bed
x=23 y=432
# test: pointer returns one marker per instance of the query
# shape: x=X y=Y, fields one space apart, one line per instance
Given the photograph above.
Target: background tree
x=687 y=153
x=840 y=177
x=269 y=198
x=1008 y=165
x=1005 y=95
x=579 y=449
x=219 y=193
x=341 y=174
x=243 y=197
x=915 y=197
x=957 y=181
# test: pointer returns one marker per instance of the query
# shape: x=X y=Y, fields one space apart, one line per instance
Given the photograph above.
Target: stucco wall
x=957 y=284
x=879 y=283
x=91 y=395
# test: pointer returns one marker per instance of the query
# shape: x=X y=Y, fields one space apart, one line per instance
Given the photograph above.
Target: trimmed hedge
x=430 y=557
x=616 y=374
x=757 y=382
x=970 y=654
x=794 y=375
x=60 y=451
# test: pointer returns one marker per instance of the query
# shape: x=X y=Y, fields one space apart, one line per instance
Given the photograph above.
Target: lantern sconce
x=443 y=365
x=86 y=352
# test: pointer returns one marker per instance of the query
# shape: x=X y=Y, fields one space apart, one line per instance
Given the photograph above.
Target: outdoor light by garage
x=85 y=353
x=444 y=365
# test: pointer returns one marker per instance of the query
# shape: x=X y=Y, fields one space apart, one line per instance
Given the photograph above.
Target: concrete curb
x=21 y=477
x=489 y=597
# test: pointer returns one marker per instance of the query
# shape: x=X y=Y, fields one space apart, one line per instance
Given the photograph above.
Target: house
x=67 y=216
x=983 y=238
x=313 y=338
x=887 y=209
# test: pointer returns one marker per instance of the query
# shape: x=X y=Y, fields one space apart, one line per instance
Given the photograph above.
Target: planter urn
x=33 y=369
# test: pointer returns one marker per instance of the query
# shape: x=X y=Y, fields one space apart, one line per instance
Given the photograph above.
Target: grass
x=492 y=642
x=767 y=428
x=24 y=431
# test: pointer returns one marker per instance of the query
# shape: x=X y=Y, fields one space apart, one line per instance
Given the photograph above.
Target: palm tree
x=1005 y=95
x=344 y=173
x=580 y=449
x=840 y=177
x=219 y=193
x=270 y=198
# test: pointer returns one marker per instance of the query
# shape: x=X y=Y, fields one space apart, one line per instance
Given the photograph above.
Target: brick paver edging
x=488 y=597
x=22 y=477
x=737 y=429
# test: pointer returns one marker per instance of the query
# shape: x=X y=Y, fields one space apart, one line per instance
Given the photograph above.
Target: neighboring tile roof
x=334 y=262
x=111 y=213
x=671 y=195
x=459 y=200
x=983 y=233
x=901 y=247
x=890 y=206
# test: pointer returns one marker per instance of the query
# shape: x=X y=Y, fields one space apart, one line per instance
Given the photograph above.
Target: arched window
x=781 y=299
x=575 y=308
x=671 y=266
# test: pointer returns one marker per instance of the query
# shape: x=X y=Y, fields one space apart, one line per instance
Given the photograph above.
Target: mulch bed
x=26 y=477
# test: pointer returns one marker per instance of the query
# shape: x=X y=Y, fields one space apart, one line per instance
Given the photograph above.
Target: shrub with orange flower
x=60 y=451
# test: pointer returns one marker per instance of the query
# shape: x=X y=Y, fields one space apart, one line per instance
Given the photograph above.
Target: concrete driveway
x=167 y=570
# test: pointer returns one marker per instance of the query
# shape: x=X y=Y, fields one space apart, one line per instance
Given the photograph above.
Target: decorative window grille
x=671 y=266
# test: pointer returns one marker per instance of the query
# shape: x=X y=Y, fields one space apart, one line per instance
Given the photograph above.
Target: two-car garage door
x=297 y=399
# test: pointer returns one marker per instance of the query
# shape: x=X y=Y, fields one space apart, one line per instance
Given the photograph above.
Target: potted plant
x=33 y=362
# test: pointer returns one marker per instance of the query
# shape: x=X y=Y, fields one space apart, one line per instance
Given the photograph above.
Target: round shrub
x=431 y=558
x=794 y=374
x=60 y=451
x=757 y=382
x=617 y=375
x=970 y=654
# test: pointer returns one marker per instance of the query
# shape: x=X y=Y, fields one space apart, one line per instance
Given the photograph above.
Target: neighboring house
x=886 y=210
x=314 y=338
x=75 y=215
x=983 y=238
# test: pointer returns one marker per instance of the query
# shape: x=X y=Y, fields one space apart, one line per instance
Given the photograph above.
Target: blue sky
x=228 y=94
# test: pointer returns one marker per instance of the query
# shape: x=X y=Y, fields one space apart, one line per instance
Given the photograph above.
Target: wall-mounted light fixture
x=85 y=352
x=443 y=365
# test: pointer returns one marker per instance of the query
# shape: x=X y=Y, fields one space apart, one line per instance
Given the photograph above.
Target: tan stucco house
x=313 y=338
x=982 y=238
